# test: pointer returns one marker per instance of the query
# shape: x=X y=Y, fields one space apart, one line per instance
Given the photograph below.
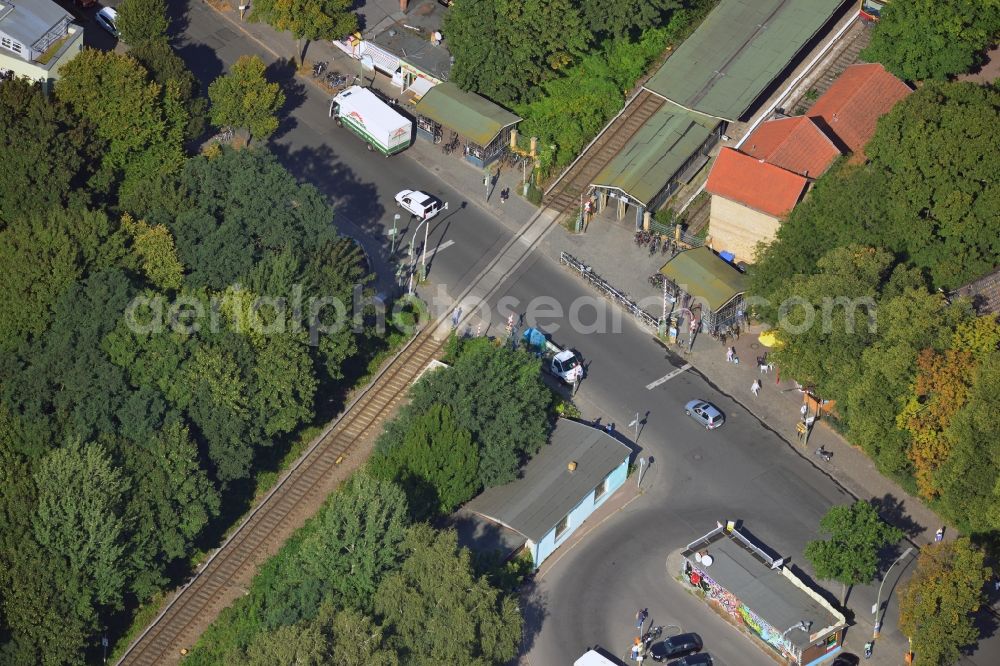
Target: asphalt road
x=743 y=471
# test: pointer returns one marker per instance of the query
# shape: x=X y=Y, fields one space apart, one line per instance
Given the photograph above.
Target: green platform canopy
x=656 y=153
x=737 y=52
x=702 y=274
x=473 y=117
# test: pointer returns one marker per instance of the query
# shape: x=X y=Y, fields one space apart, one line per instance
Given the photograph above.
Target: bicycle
x=318 y=69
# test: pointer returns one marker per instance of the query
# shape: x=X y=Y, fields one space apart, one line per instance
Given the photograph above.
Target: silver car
x=705 y=413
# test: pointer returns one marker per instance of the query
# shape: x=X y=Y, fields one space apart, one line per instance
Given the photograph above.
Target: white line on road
x=440 y=247
x=667 y=377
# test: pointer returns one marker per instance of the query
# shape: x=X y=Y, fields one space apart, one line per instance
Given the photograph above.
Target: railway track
x=565 y=193
x=302 y=490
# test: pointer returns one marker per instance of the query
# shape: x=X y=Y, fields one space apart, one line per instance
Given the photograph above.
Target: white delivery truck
x=381 y=127
x=562 y=363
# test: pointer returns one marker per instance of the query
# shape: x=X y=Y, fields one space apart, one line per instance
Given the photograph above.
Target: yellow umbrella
x=769 y=339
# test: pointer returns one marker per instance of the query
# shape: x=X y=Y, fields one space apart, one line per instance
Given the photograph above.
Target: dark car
x=675 y=646
x=846 y=659
x=699 y=659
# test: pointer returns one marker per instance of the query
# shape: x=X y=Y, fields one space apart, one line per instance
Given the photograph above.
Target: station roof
x=737 y=52
x=533 y=504
x=703 y=275
x=654 y=155
x=469 y=114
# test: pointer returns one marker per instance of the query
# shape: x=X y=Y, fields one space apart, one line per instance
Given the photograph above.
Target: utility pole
x=393 y=234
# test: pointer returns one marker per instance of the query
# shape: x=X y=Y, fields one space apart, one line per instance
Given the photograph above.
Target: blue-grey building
x=580 y=468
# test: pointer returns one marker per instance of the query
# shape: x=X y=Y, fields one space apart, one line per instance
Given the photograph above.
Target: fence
x=608 y=290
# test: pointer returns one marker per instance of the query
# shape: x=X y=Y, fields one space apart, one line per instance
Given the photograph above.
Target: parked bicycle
x=318 y=69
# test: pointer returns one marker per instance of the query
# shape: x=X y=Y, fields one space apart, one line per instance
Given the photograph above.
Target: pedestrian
x=755 y=387
x=635 y=649
x=610 y=428
x=456 y=316
x=640 y=617
x=729 y=354
x=804 y=410
x=504 y=193
x=939 y=535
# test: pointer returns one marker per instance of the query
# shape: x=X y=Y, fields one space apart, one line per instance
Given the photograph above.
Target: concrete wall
x=580 y=512
x=737 y=229
x=49 y=72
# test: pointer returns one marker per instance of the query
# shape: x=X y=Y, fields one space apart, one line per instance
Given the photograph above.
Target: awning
x=420 y=87
x=703 y=275
x=473 y=117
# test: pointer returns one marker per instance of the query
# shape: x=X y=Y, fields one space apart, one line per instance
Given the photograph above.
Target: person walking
x=804 y=411
x=729 y=355
x=939 y=535
x=755 y=387
x=640 y=618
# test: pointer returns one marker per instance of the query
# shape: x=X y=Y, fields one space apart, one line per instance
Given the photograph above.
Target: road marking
x=667 y=377
x=440 y=247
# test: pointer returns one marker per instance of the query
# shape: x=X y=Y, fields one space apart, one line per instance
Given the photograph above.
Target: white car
x=419 y=203
x=107 y=18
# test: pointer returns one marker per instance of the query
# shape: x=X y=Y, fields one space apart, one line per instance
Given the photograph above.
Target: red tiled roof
x=795 y=144
x=856 y=100
x=754 y=183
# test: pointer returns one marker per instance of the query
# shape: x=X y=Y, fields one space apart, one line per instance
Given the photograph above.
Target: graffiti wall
x=740 y=612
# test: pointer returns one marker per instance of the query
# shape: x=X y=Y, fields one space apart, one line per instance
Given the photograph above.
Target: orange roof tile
x=754 y=183
x=855 y=102
x=794 y=144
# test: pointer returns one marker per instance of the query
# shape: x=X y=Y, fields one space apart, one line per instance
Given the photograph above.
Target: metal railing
x=608 y=290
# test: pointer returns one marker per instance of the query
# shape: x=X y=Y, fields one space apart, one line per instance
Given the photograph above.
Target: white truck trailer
x=378 y=124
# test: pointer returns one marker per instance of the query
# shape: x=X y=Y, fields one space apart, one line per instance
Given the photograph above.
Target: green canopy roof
x=737 y=51
x=472 y=116
x=701 y=273
x=656 y=153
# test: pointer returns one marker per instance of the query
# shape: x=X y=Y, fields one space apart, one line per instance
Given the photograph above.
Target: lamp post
x=878 y=599
x=393 y=234
x=413 y=267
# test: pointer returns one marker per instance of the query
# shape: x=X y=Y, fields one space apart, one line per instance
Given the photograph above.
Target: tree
x=244 y=98
x=624 y=20
x=175 y=503
x=927 y=39
x=436 y=463
x=530 y=41
x=154 y=249
x=441 y=613
x=167 y=68
x=937 y=603
x=357 y=540
x=49 y=153
x=358 y=641
x=142 y=21
x=495 y=393
x=298 y=644
x=45 y=252
x=80 y=516
x=850 y=555
x=307 y=19
x=142 y=122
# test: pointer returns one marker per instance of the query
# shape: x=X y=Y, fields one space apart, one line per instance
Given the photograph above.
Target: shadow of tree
x=893 y=511
x=202 y=61
x=534 y=610
x=282 y=72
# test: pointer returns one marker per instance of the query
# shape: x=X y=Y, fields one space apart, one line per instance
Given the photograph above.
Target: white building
x=36 y=38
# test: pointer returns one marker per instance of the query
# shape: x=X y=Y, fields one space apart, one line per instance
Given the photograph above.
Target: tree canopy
x=307 y=19
x=851 y=554
x=937 y=603
x=245 y=98
x=933 y=39
x=142 y=21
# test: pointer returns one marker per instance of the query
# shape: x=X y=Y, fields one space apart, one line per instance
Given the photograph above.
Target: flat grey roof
x=775 y=594
x=533 y=504
x=416 y=50
x=28 y=20
x=737 y=51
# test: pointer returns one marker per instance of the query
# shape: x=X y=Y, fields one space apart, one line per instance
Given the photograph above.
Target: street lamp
x=393 y=234
x=878 y=599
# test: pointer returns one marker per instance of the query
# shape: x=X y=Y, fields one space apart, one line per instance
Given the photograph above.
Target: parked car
x=419 y=203
x=846 y=659
x=86 y=4
x=676 y=646
x=107 y=18
x=697 y=659
x=705 y=413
